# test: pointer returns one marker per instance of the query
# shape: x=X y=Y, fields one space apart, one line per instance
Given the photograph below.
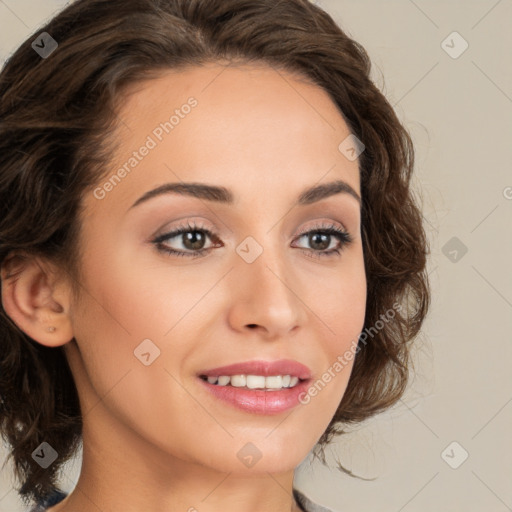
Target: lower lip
x=259 y=401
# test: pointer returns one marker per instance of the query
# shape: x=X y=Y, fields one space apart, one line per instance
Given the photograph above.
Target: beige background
x=459 y=112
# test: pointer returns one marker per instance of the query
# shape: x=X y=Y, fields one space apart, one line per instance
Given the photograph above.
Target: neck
x=122 y=471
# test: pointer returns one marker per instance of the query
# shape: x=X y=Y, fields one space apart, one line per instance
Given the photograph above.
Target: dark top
x=304 y=502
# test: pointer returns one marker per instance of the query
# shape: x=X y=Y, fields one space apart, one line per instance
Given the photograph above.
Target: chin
x=263 y=456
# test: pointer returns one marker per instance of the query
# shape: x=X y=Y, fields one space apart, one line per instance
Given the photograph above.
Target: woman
x=211 y=256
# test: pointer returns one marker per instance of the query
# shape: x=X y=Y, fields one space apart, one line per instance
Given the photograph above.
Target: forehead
x=247 y=126
x=251 y=103
x=246 y=87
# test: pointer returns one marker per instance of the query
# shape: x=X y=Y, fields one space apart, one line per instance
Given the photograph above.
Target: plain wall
x=459 y=113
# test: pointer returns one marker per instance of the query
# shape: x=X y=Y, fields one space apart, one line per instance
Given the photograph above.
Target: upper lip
x=265 y=368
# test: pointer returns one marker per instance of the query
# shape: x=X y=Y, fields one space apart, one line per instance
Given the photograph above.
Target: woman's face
x=149 y=322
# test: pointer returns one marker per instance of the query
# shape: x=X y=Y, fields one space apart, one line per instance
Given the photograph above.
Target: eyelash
x=343 y=237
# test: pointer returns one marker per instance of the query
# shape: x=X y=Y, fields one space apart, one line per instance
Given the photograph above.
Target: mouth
x=259 y=387
x=258 y=374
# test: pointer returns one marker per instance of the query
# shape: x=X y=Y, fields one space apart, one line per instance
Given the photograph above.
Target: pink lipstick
x=260 y=387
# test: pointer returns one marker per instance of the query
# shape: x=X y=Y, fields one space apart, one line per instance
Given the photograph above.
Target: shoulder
x=304 y=502
x=53 y=499
x=307 y=505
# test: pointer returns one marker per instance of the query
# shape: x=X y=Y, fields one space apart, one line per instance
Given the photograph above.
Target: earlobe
x=36 y=301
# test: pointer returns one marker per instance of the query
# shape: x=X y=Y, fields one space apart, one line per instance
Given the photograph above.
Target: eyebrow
x=223 y=195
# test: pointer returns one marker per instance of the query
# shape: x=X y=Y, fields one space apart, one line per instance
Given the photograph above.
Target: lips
x=260 y=367
x=258 y=401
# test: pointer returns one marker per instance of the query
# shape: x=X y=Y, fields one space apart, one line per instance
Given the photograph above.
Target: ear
x=37 y=299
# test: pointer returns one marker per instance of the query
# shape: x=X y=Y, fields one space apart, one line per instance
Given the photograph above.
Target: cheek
x=115 y=317
x=129 y=297
x=126 y=302
x=341 y=303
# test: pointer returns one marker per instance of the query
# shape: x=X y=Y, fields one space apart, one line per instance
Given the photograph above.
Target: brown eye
x=186 y=241
x=193 y=240
x=321 y=238
x=319 y=241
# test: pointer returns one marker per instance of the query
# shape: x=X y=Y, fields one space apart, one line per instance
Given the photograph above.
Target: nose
x=264 y=297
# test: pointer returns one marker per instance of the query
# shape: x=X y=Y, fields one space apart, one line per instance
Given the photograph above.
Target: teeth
x=255 y=381
x=238 y=381
x=272 y=382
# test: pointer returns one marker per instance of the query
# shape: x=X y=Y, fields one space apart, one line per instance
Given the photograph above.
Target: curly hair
x=56 y=115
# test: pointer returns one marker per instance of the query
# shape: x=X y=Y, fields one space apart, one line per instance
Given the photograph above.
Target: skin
x=154 y=439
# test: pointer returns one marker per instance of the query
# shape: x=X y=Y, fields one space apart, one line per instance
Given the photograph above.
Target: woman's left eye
x=323 y=237
x=192 y=239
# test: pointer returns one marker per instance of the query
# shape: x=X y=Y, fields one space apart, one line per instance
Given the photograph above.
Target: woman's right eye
x=191 y=238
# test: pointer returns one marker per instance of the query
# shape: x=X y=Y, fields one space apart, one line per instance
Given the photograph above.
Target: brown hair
x=54 y=117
